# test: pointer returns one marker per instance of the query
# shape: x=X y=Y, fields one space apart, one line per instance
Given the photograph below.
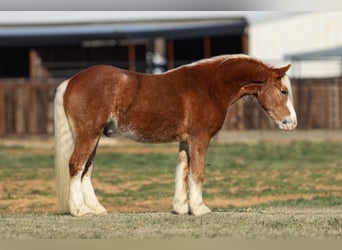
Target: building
x=309 y=40
x=58 y=44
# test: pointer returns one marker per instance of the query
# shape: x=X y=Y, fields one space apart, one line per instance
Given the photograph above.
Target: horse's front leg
x=180 y=200
x=198 y=151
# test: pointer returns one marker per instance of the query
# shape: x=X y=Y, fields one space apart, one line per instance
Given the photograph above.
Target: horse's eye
x=284 y=92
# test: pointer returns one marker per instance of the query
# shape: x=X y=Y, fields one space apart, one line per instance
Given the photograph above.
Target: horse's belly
x=147 y=136
x=150 y=123
x=149 y=132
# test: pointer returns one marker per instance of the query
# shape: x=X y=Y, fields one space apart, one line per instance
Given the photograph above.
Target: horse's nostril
x=285 y=122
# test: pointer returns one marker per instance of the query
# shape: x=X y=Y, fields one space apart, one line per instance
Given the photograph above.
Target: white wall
x=272 y=40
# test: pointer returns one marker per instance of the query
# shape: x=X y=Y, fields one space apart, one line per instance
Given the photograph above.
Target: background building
x=59 y=44
x=311 y=41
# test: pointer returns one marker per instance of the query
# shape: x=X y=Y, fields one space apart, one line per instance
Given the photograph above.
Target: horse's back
x=99 y=75
x=89 y=95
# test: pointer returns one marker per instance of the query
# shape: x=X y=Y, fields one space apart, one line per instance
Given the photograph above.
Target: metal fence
x=26 y=108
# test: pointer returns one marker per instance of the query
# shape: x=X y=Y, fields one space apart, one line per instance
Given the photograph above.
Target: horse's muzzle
x=288 y=123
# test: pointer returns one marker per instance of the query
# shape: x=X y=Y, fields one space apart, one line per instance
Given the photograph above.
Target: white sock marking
x=180 y=204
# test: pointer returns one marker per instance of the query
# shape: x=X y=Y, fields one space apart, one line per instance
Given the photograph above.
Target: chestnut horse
x=187 y=104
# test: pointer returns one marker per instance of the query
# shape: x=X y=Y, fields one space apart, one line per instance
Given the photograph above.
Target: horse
x=187 y=104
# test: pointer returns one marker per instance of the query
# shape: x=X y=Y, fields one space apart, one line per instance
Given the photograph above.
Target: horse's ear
x=251 y=89
x=280 y=72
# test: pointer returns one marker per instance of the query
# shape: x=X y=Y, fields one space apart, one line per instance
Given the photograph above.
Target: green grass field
x=268 y=190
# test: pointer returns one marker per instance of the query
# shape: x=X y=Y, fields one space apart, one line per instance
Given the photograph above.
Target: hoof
x=83 y=211
x=181 y=207
x=198 y=210
x=99 y=210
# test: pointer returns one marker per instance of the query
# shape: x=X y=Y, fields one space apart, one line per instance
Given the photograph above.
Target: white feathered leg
x=76 y=202
x=197 y=206
x=89 y=195
x=180 y=202
x=198 y=150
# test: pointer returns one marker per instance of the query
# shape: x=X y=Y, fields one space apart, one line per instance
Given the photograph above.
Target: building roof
x=67 y=28
x=317 y=54
x=36 y=35
x=78 y=17
x=34 y=28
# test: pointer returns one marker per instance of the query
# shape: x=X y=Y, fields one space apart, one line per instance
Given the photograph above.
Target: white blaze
x=292 y=118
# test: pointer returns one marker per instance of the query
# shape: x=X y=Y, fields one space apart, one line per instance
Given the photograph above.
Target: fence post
x=334 y=100
x=2 y=112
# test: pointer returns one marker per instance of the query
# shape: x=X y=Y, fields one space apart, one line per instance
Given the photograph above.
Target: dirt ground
x=249 y=136
x=39 y=195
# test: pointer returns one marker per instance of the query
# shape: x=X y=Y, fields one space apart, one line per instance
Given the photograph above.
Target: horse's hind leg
x=83 y=151
x=180 y=201
x=88 y=192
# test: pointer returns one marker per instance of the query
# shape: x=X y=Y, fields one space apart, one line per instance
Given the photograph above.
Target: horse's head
x=275 y=97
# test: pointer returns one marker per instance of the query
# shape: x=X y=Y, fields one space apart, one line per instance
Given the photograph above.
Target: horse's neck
x=242 y=78
x=227 y=82
x=243 y=70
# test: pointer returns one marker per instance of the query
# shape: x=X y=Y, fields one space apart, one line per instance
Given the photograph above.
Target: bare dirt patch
x=28 y=195
x=247 y=136
x=21 y=196
x=256 y=200
x=39 y=196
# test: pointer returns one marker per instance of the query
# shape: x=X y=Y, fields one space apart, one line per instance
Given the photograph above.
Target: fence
x=27 y=108
x=317 y=103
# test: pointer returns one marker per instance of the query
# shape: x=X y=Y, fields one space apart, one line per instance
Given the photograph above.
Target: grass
x=270 y=190
x=270 y=223
x=233 y=171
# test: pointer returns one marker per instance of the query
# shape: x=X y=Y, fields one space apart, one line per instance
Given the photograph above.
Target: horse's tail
x=64 y=146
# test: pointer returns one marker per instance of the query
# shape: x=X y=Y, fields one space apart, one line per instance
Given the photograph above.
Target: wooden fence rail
x=318 y=104
x=27 y=108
